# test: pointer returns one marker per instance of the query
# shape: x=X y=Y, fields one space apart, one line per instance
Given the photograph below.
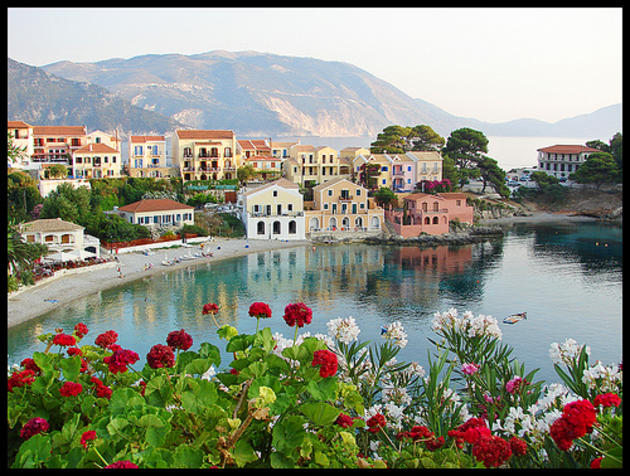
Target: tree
x=599 y=168
x=616 y=149
x=244 y=173
x=385 y=197
x=490 y=172
x=424 y=138
x=599 y=145
x=542 y=178
x=14 y=153
x=57 y=171
x=464 y=146
x=392 y=140
x=21 y=255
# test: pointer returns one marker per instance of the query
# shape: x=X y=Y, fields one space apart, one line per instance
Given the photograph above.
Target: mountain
x=41 y=98
x=261 y=94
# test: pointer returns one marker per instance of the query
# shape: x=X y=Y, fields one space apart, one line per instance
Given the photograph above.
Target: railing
x=346 y=198
x=283 y=214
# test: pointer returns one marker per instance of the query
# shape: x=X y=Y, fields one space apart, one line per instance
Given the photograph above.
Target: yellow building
x=205 y=154
x=147 y=157
x=100 y=137
x=428 y=165
x=340 y=205
x=22 y=137
x=353 y=152
x=311 y=164
x=274 y=210
x=94 y=161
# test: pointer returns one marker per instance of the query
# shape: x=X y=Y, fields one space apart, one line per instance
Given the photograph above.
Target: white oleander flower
x=566 y=352
x=395 y=333
x=346 y=330
x=397 y=395
x=415 y=369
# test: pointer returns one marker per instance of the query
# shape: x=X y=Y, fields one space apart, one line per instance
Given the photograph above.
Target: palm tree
x=21 y=255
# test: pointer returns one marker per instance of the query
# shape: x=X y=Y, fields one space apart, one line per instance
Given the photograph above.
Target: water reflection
x=376 y=284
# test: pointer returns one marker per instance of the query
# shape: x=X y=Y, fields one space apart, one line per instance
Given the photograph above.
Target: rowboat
x=514 y=318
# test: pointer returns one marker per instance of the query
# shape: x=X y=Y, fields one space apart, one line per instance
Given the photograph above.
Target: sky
x=491 y=64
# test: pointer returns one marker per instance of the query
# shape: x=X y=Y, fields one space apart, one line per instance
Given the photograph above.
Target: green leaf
x=43 y=361
x=279 y=460
x=239 y=342
x=227 y=332
x=320 y=413
x=325 y=389
x=156 y=436
x=197 y=366
x=243 y=453
x=33 y=452
x=158 y=391
x=211 y=352
x=321 y=459
x=71 y=367
x=117 y=425
x=188 y=457
x=264 y=339
x=150 y=420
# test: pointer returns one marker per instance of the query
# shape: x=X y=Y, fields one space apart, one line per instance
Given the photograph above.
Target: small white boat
x=167 y=262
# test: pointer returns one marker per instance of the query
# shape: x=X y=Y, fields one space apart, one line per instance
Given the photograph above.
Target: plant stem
x=100 y=456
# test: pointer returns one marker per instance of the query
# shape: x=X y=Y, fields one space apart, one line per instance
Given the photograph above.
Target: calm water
x=569 y=287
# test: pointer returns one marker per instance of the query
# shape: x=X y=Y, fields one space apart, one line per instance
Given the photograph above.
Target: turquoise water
x=568 y=277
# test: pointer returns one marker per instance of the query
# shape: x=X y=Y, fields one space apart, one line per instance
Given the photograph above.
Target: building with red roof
x=562 y=160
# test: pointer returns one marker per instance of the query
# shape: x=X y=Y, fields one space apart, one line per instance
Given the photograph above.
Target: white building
x=158 y=213
x=65 y=240
x=22 y=137
x=273 y=211
x=562 y=160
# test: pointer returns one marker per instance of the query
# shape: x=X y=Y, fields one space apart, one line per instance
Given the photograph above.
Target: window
x=384 y=168
x=330 y=193
x=290 y=207
x=260 y=228
x=256 y=208
x=275 y=193
x=409 y=168
x=459 y=203
x=384 y=181
x=358 y=192
x=78 y=160
x=325 y=206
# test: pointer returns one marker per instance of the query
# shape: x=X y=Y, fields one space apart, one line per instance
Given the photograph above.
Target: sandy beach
x=537 y=217
x=33 y=302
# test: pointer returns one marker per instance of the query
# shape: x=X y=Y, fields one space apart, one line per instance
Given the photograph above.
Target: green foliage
x=384 y=197
x=398 y=140
x=245 y=173
x=599 y=168
x=491 y=173
x=200 y=198
x=465 y=146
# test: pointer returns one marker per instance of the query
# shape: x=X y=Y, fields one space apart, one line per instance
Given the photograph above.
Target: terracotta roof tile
x=49 y=225
x=140 y=139
x=17 y=124
x=204 y=134
x=155 y=205
x=59 y=130
x=567 y=149
x=96 y=148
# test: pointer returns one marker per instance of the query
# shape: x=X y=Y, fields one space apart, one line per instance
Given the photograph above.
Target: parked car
x=562 y=179
x=514 y=183
x=524 y=178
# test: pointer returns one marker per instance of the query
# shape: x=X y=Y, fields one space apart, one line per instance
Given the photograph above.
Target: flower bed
x=144 y=241
x=321 y=401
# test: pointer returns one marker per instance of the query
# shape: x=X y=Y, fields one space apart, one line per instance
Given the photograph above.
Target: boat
x=514 y=318
x=167 y=262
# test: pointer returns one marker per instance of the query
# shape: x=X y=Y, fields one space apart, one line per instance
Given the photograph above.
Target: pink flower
x=514 y=385
x=470 y=368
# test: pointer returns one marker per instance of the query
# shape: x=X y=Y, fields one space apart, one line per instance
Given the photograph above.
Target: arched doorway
x=332 y=224
x=376 y=222
x=314 y=224
x=292 y=227
x=276 y=227
x=345 y=223
x=358 y=222
x=260 y=228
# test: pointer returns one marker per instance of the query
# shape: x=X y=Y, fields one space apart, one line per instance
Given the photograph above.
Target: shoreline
x=32 y=303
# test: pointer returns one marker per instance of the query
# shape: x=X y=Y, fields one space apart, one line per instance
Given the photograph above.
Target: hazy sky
x=492 y=64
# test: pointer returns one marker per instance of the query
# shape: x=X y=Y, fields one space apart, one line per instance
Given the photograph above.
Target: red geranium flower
x=80 y=330
x=597 y=463
x=376 y=423
x=297 y=313
x=64 y=340
x=106 y=339
x=103 y=392
x=122 y=465
x=87 y=436
x=19 y=379
x=179 y=340
x=29 y=364
x=327 y=361
x=119 y=360
x=344 y=421
x=74 y=351
x=260 y=310
x=435 y=443
x=71 y=389
x=492 y=450
x=580 y=414
x=210 y=308
x=607 y=400
x=519 y=447
x=160 y=356
x=33 y=427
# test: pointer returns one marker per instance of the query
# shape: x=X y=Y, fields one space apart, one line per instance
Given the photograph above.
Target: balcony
x=345 y=198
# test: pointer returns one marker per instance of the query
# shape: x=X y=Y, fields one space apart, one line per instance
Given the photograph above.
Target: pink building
x=432 y=214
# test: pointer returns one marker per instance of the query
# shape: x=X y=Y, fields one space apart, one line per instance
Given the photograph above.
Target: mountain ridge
x=265 y=94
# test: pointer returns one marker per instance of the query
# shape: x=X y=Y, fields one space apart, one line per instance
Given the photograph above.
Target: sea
x=567 y=276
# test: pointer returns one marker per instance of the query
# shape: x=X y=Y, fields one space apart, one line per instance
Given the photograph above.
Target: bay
x=566 y=276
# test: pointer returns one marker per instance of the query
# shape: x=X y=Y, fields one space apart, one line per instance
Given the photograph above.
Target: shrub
x=323 y=401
